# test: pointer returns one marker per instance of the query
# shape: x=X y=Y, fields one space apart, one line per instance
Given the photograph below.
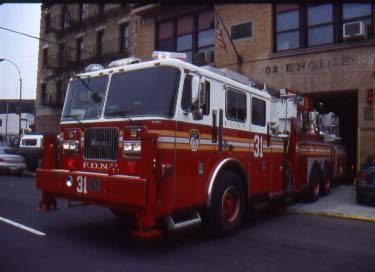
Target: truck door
x=193 y=137
x=261 y=155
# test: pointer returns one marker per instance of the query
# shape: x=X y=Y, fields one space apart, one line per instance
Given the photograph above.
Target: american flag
x=219 y=34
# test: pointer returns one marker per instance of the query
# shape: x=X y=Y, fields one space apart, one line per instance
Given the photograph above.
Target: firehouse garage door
x=344 y=104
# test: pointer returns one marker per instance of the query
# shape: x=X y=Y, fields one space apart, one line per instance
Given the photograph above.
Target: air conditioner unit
x=202 y=58
x=354 y=30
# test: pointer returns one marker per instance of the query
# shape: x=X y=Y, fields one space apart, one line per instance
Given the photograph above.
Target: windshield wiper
x=74 y=117
x=123 y=113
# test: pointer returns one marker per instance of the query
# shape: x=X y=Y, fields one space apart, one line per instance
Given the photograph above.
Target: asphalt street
x=89 y=238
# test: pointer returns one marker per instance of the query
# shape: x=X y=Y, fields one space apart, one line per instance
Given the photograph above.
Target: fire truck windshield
x=149 y=91
x=85 y=98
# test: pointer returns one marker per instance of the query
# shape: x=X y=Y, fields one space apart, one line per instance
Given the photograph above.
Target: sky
x=20 y=49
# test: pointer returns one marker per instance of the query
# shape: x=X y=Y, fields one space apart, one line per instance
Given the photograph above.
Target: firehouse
x=171 y=145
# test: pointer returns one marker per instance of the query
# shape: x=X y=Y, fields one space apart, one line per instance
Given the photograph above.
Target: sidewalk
x=340 y=202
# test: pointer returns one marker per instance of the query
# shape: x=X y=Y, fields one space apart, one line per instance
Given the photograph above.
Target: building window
x=189 y=34
x=241 y=31
x=165 y=36
x=258 y=112
x=100 y=43
x=206 y=31
x=45 y=57
x=320 y=24
x=47 y=22
x=287 y=26
x=59 y=94
x=43 y=94
x=124 y=37
x=352 y=12
x=102 y=9
x=236 y=106
x=82 y=12
x=61 y=55
x=309 y=25
x=79 y=48
x=185 y=36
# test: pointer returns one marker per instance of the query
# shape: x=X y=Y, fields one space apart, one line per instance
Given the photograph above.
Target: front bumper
x=96 y=188
x=4 y=166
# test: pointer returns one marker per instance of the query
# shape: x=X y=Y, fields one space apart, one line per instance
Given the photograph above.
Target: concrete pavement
x=341 y=202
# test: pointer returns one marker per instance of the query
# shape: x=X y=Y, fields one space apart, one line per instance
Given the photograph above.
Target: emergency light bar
x=123 y=62
x=166 y=55
x=93 y=67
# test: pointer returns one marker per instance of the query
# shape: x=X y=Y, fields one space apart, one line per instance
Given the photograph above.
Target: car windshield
x=150 y=91
x=85 y=98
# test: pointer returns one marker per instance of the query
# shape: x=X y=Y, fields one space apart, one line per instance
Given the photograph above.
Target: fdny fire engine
x=172 y=145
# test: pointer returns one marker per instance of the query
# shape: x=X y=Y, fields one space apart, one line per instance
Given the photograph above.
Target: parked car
x=31 y=148
x=11 y=163
x=365 y=183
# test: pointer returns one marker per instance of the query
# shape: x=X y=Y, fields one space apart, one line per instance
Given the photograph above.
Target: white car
x=11 y=162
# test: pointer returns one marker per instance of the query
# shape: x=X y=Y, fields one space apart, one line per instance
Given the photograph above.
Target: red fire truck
x=172 y=145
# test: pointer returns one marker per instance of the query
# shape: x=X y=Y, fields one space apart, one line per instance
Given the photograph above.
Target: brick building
x=297 y=46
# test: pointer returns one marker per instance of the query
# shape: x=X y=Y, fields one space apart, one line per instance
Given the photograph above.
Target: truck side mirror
x=195 y=91
x=197 y=114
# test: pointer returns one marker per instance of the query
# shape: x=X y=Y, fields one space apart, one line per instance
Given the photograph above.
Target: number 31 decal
x=258 y=146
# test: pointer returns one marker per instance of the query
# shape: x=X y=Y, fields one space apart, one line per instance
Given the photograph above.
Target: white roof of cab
x=178 y=64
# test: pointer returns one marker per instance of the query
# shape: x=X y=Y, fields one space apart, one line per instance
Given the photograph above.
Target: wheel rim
x=316 y=186
x=327 y=183
x=230 y=204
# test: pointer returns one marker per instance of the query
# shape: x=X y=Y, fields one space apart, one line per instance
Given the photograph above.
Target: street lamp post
x=19 y=103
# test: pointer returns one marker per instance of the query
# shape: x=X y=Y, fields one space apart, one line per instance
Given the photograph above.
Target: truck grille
x=101 y=144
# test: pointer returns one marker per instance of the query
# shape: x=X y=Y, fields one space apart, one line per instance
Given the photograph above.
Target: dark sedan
x=365 y=184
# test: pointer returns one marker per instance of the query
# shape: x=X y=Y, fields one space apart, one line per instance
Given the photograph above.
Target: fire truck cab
x=172 y=145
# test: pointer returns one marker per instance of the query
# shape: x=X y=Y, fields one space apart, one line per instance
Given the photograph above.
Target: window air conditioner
x=202 y=58
x=354 y=30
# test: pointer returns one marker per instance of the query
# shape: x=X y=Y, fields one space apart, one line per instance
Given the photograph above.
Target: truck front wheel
x=228 y=204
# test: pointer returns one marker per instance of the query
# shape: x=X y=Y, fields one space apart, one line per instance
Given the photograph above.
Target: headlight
x=132 y=148
x=71 y=145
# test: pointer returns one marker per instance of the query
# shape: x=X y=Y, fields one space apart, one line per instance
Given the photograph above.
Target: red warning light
x=370 y=96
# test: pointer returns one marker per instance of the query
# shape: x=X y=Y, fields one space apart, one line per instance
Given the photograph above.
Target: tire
x=325 y=186
x=315 y=179
x=227 y=205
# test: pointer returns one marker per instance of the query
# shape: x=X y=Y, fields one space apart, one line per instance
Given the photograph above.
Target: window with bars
x=100 y=43
x=45 y=57
x=188 y=34
x=309 y=25
x=47 y=22
x=124 y=37
x=236 y=105
x=79 y=49
x=43 y=94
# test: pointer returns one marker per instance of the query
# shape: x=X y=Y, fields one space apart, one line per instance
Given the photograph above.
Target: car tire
x=227 y=205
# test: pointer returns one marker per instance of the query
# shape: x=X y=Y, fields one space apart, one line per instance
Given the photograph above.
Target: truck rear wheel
x=315 y=179
x=227 y=206
x=325 y=187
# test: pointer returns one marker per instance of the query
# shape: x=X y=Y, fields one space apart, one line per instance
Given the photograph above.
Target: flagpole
x=239 y=57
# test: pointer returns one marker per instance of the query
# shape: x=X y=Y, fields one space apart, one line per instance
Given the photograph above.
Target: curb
x=29 y=174
x=338 y=215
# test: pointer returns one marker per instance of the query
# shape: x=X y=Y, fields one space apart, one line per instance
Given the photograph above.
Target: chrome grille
x=101 y=144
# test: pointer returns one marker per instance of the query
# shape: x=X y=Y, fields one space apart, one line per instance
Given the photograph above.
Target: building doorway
x=345 y=105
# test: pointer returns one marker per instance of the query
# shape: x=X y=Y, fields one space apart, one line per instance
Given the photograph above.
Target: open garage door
x=345 y=105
